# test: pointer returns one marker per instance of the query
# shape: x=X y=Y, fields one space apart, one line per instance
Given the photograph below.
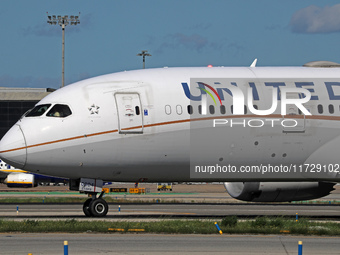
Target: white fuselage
x=135 y=126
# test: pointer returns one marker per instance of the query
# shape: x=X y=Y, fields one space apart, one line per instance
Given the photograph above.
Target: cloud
x=41 y=30
x=316 y=20
x=54 y=30
x=194 y=42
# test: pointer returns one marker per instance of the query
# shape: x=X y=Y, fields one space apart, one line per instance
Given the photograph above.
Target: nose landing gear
x=95 y=207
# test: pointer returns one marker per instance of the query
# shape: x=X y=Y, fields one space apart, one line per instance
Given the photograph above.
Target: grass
x=261 y=225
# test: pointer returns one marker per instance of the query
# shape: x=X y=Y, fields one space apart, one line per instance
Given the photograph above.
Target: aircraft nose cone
x=13 y=147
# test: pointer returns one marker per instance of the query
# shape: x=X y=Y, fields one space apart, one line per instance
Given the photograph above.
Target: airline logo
x=222 y=87
x=204 y=93
x=207 y=92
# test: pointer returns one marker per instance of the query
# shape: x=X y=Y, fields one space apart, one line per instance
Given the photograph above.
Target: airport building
x=14 y=102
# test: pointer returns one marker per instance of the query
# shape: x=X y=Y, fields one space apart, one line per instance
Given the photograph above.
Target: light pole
x=144 y=53
x=63 y=21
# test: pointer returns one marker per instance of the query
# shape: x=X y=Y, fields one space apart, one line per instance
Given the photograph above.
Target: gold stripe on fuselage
x=313 y=117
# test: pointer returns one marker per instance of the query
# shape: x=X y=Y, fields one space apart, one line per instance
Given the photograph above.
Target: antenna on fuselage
x=254 y=63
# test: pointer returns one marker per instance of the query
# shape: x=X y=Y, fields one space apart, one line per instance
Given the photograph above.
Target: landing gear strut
x=95 y=207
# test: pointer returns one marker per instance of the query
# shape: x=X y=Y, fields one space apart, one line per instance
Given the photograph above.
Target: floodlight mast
x=63 y=21
x=144 y=53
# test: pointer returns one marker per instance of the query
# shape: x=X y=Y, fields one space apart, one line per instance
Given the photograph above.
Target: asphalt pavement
x=89 y=243
x=43 y=211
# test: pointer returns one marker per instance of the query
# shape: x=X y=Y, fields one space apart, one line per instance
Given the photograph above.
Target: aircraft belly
x=121 y=156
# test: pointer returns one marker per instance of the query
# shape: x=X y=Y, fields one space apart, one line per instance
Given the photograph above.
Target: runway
x=117 y=243
x=89 y=243
x=182 y=193
x=192 y=201
x=43 y=211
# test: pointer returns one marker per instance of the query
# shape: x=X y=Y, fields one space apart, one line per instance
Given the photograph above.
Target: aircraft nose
x=13 y=147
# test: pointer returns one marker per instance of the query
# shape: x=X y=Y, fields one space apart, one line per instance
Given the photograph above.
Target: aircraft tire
x=86 y=207
x=99 y=207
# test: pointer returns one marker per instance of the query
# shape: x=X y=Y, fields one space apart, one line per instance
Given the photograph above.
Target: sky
x=175 y=32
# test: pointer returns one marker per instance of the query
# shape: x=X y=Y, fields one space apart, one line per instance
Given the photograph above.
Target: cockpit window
x=38 y=110
x=60 y=111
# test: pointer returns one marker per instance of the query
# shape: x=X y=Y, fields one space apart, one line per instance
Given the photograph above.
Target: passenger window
x=211 y=109
x=222 y=109
x=190 y=109
x=245 y=109
x=137 y=110
x=38 y=110
x=200 y=109
x=179 y=109
x=168 y=109
x=59 y=111
x=331 y=108
x=320 y=109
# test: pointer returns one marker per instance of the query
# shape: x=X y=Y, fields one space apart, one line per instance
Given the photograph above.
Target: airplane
x=269 y=133
x=17 y=178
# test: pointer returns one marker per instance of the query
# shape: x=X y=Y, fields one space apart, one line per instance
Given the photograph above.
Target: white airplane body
x=142 y=125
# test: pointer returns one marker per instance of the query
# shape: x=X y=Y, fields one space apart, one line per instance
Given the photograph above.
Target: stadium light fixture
x=63 y=21
x=143 y=54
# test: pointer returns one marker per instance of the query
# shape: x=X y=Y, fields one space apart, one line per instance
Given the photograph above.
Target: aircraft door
x=130 y=117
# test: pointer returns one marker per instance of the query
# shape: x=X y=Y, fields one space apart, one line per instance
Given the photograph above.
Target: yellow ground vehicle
x=164 y=186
